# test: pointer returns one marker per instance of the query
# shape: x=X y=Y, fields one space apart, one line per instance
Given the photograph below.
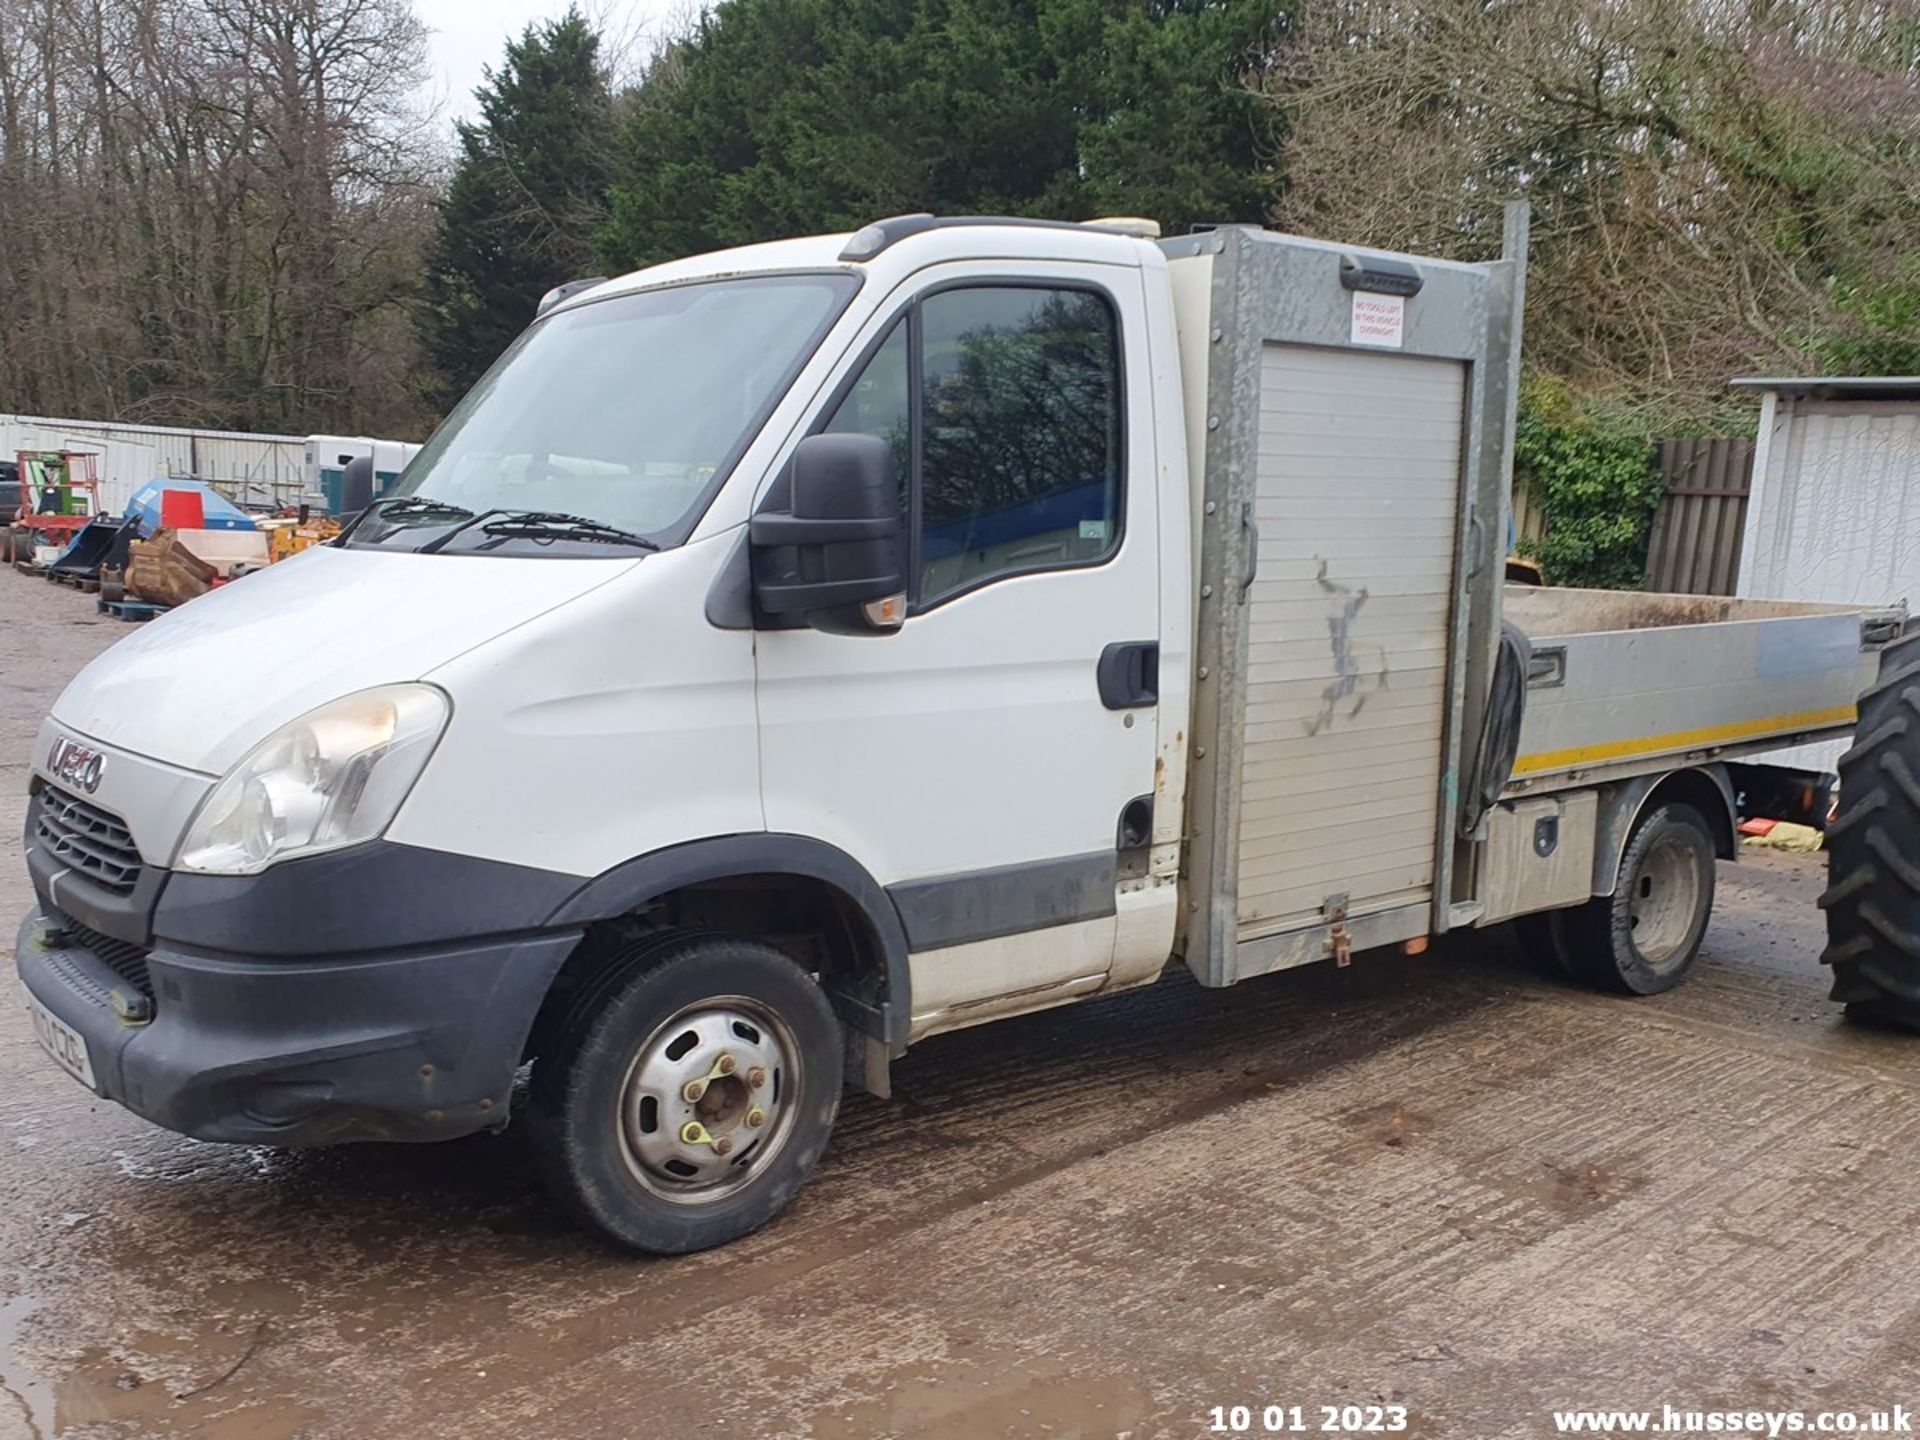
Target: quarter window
x=879 y=404
x=1002 y=404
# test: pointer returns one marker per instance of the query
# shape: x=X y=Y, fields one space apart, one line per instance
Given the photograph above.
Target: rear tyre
x=1645 y=937
x=686 y=1094
x=1873 y=846
x=1541 y=942
x=1884 y=1013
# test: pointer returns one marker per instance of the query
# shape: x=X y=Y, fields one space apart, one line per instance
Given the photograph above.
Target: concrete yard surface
x=1446 y=1182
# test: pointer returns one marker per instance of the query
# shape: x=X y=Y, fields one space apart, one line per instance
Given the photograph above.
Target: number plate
x=60 y=1040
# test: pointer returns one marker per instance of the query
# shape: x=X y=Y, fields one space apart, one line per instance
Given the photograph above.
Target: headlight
x=334 y=777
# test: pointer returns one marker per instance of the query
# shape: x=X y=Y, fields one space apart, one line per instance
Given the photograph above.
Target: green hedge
x=1593 y=473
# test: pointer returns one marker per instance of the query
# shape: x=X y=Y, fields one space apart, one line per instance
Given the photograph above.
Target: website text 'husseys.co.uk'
x=1679 y=1420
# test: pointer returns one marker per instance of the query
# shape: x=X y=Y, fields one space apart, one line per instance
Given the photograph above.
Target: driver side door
x=975 y=761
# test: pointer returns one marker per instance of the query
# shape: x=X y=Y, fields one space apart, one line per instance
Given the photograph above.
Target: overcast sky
x=471 y=33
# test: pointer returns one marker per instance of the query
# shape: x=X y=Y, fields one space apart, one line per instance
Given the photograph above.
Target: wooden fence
x=1529 y=518
x=1695 y=545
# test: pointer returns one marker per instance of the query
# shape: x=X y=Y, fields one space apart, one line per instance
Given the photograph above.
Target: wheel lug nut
x=694 y=1090
x=722 y=1146
x=693 y=1133
x=756 y=1117
x=756 y=1077
x=725 y=1065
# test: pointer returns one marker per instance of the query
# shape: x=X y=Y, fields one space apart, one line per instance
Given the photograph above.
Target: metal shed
x=1835 y=509
x=264 y=466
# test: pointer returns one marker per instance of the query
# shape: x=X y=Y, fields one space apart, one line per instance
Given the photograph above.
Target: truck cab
x=784 y=655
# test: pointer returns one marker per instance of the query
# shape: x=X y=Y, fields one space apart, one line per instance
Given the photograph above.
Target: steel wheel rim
x=1663 y=901
x=659 y=1100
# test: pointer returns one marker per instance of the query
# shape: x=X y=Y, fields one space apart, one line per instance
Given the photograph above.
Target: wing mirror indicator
x=887 y=614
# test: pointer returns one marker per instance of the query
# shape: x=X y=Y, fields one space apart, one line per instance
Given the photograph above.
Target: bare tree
x=211 y=210
x=1709 y=176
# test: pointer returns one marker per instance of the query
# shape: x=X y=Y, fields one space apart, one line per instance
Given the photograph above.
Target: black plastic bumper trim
x=410 y=1045
x=1006 y=900
x=377 y=896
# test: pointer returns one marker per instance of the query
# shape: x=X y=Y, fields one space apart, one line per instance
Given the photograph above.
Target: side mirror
x=356 y=485
x=834 y=557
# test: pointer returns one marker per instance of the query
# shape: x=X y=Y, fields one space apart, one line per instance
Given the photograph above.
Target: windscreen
x=623 y=410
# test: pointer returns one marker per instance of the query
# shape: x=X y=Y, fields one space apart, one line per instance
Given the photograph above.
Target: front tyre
x=687 y=1093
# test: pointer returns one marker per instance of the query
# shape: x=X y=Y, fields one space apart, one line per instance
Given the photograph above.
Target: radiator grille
x=92 y=841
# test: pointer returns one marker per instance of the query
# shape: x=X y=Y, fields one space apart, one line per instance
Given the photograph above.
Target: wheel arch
x=820 y=879
x=1706 y=788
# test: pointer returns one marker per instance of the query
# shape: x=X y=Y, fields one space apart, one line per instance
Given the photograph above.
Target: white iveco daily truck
x=785 y=655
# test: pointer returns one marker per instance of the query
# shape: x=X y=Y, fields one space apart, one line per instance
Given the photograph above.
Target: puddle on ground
x=102 y=1389
x=21 y=1389
x=105 y=1391
x=153 y=1384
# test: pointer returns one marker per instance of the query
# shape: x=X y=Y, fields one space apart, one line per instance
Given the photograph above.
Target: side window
x=1020 y=433
x=1017 y=424
x=879 y=403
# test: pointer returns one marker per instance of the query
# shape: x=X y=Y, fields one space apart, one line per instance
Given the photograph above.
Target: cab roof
x=893 y=247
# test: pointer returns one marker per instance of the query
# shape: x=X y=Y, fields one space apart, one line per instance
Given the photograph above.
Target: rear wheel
x=1873 y=852
x=1645 y=937
x=687 y=1093
x=1541 y=941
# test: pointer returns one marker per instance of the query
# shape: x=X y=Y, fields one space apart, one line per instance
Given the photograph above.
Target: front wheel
x=686 y=1095
x=1645 y=937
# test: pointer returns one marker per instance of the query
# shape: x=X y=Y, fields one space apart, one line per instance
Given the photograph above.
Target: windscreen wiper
x=504 y=524
x=392 y=507
x=415 y=505
x=560 y=526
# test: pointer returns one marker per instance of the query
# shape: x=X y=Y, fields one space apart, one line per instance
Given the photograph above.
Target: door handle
x=1129 y=674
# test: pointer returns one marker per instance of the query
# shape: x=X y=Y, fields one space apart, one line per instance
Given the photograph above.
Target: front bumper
x=412 y=1044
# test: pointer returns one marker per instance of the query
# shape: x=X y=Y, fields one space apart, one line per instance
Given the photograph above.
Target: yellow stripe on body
x=1782 y=725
